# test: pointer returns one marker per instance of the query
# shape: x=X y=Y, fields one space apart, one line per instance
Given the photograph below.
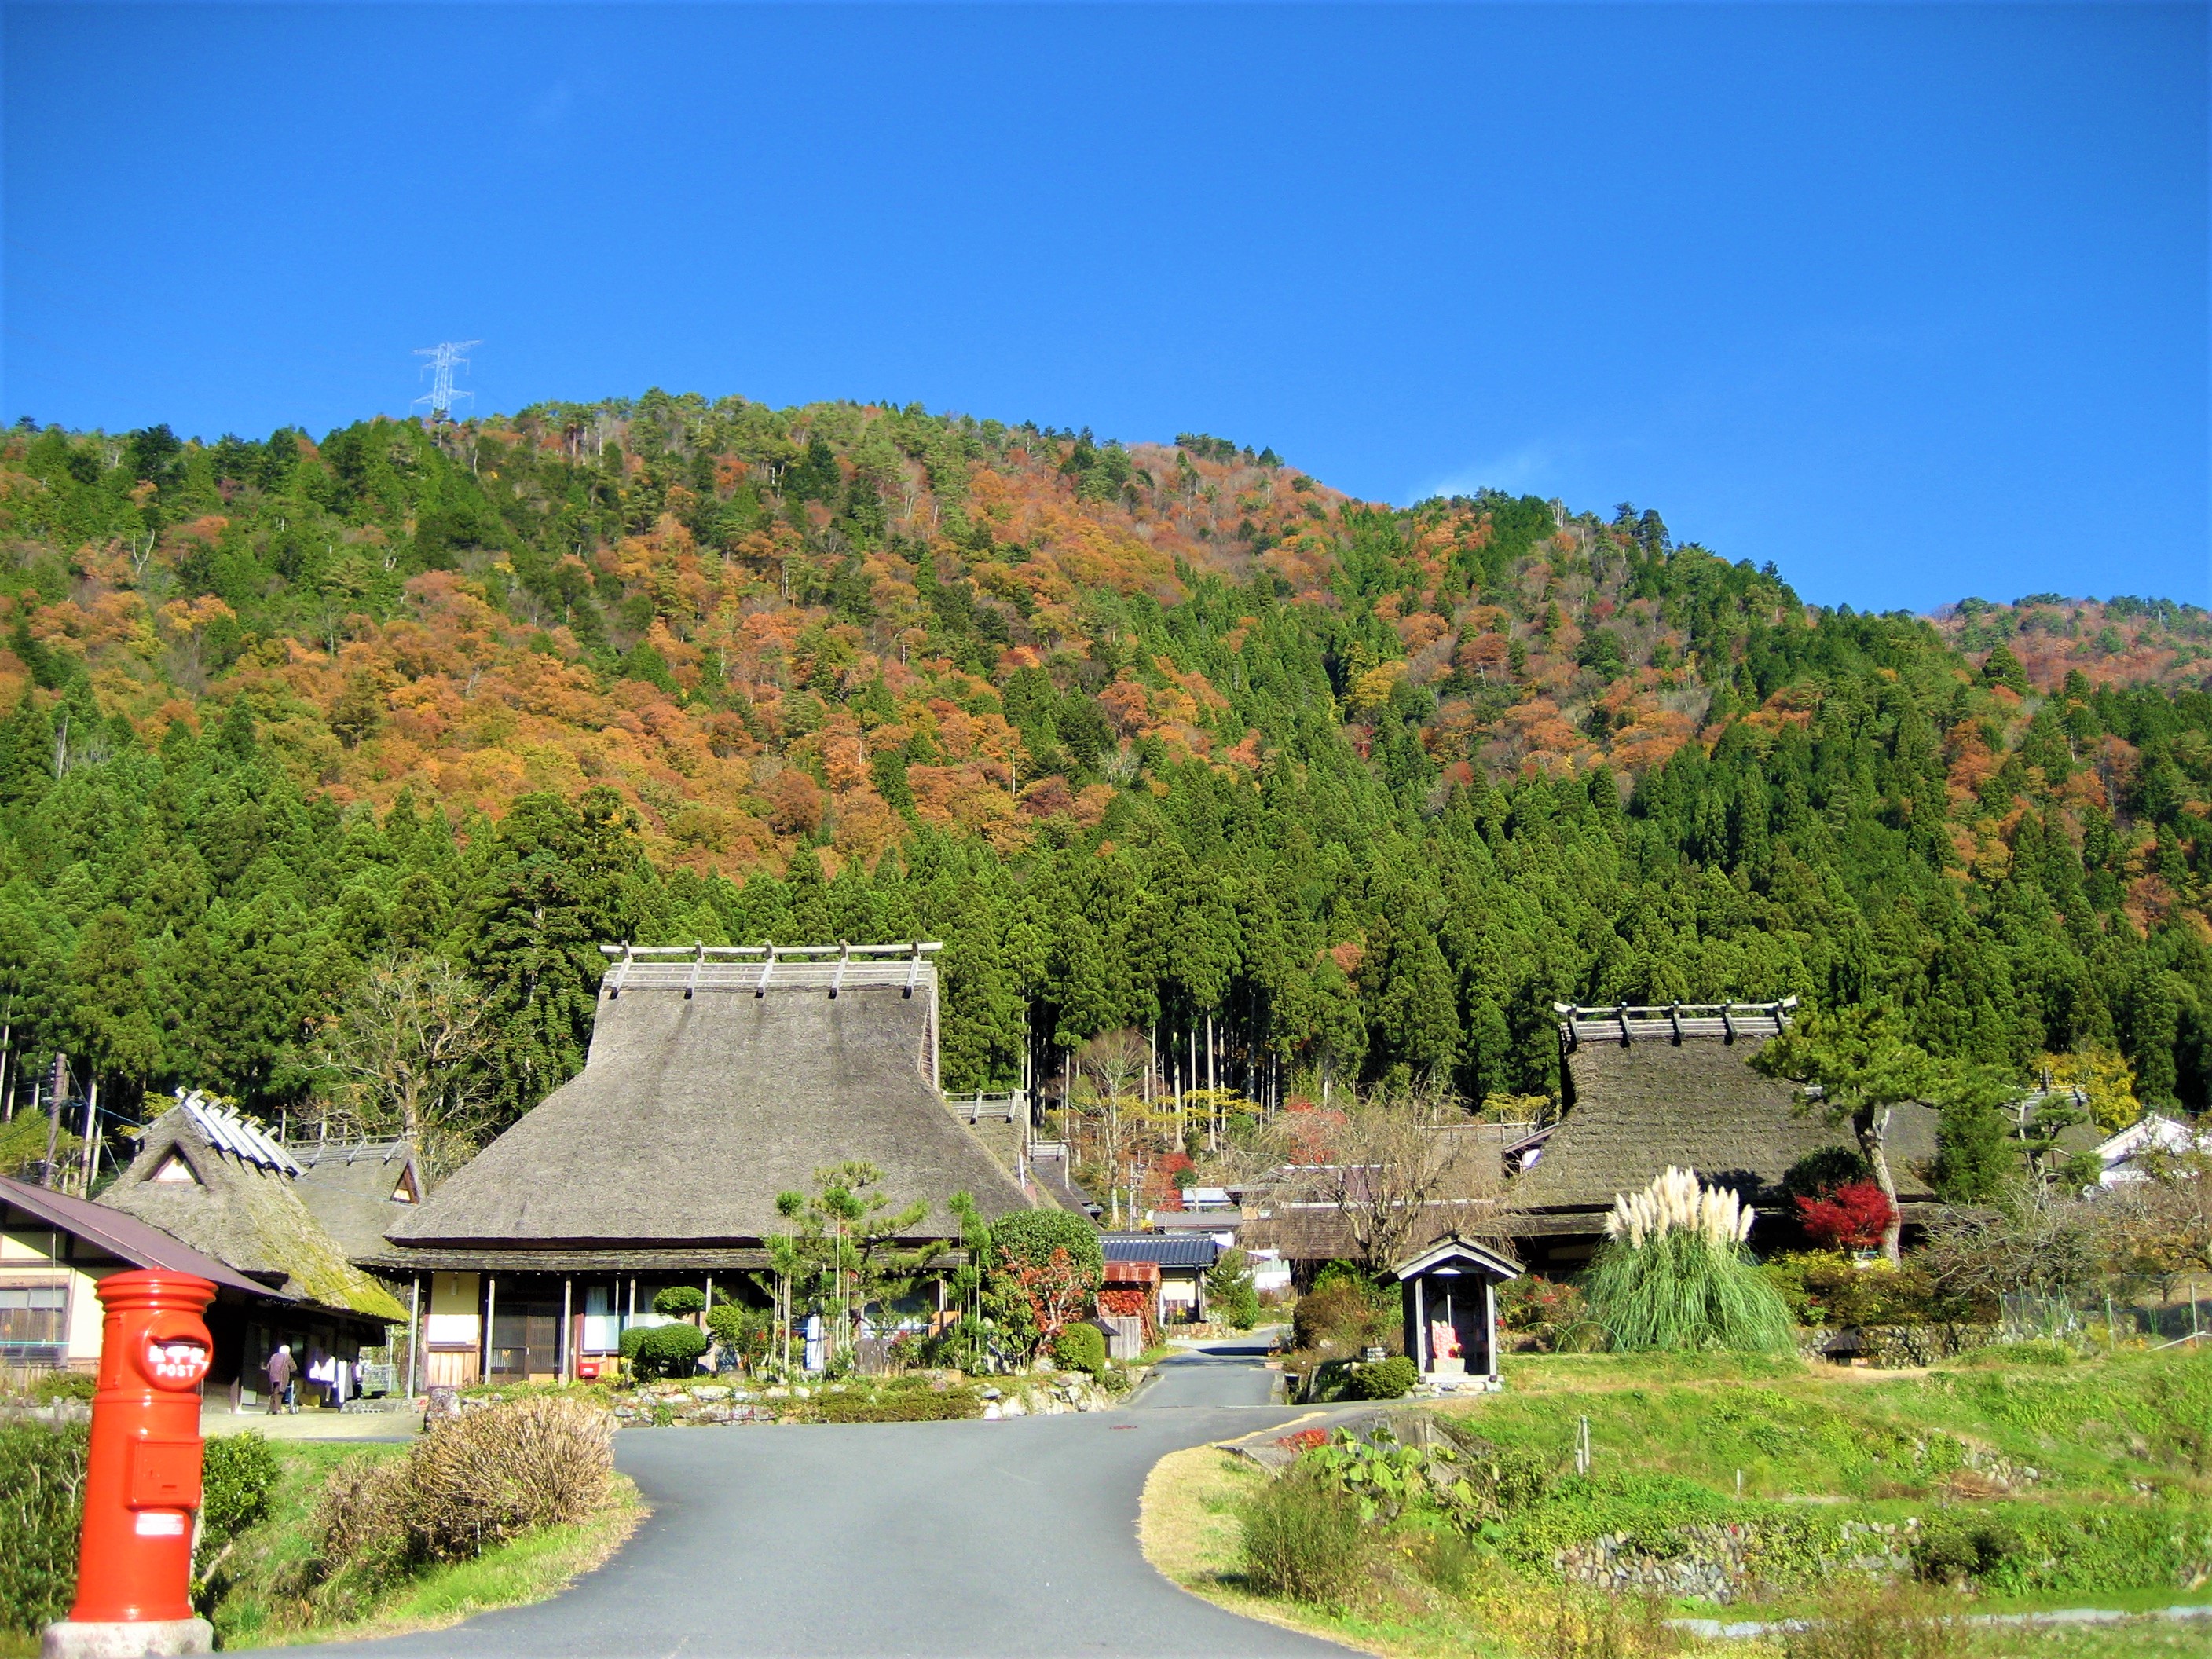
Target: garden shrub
x=902 y=1406
x=1552 y=1312
x=1346 y=1311
x=632 y=1336
x=670 y=1350
x=486 y=1476
x=1826 y=1287
x=238 y=1478
x=1303 y=1539
x=1081 y=1348
x=743 y=1331
x=476 y=1481
x=1031 y=1235
x=1382 y=1379
x=680 y=1299
x=41 y=1510
x=362 y=1541
x=63 y=1385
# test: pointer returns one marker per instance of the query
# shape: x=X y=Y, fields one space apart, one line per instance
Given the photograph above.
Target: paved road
x=1014 y=1537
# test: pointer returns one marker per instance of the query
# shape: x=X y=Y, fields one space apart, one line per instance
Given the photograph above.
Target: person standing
x=282 y=1368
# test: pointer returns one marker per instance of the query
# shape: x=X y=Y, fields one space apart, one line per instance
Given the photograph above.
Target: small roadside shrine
x=1450 y=1298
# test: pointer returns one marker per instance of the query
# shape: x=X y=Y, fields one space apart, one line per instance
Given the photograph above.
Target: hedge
x=1031 y=1237
x=41 y=1510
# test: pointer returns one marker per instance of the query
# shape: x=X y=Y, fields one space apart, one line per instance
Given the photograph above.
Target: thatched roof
x=353 y=1187
x=1637 y=1107
x=208 y=1178
x=699 y=1104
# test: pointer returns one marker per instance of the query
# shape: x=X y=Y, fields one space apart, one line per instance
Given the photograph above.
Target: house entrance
x=525 y=1339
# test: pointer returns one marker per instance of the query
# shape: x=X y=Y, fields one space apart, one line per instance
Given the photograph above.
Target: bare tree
x=403 y=1047
x=2036 y=1243
x=1403 y=1169
x=2162 y=1222
x=1104 y=1089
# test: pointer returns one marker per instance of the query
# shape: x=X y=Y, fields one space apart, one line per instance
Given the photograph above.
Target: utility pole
x=443 y=357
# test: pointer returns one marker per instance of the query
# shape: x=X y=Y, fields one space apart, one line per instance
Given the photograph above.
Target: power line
x=443 y=357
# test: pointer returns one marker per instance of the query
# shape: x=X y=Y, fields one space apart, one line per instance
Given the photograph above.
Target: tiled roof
x=1168 y=1250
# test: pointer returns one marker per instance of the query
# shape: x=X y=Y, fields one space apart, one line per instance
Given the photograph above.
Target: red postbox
x=142 y=1477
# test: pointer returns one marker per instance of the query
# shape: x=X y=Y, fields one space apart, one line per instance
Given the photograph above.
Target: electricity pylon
x=442 y=358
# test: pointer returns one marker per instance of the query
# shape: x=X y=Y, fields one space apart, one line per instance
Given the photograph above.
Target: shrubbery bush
x=41 y=1509
x=906 y=1405
x=743 y=1331
x=1031 y=1237
x=474 y=1481
x=1382 y=1379
x=669 y=1350
x=1081 y=1348
x=680 y=1299
x=1346 y=1311
x=63 y=1385
x=1303 y=1540
x=238 y=1478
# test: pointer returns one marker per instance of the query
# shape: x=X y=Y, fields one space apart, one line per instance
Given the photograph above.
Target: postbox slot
x=165 y=1474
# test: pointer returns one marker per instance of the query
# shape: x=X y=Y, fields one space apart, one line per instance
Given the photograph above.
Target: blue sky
x=1909 y=299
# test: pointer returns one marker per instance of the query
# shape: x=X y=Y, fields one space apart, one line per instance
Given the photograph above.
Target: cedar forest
x=1165 y=736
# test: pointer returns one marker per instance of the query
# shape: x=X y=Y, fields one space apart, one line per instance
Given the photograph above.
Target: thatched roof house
x=216 y=1181
x=1651 y=1087
x=717 y=1079
x=358 y=1189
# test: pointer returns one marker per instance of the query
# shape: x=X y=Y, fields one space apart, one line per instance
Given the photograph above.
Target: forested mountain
x=1148 y=735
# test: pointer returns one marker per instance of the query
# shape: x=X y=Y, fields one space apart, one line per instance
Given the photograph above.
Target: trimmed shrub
x=238 y=1478
x=669 y=1350
x=1031 y=1237
x=680 y=1299
x=362 y=1542
x=1081 y=1348
x=1303 y=1539
x=902 y=1406
x=1382 y=1379
x=41 y=1509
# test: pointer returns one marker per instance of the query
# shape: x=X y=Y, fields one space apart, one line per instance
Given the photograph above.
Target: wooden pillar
x=1489 y=1327
x=1421 y=1325
x=567 y=1339
x=414 y=1331
x=491 y=1307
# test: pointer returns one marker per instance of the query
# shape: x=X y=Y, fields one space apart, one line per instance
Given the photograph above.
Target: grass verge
x=258 y=1597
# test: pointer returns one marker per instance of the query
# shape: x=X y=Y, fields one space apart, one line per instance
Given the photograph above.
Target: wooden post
x=491 y=1307
x=568 y=1314
x=1420 y=1324
x=414 y=1330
